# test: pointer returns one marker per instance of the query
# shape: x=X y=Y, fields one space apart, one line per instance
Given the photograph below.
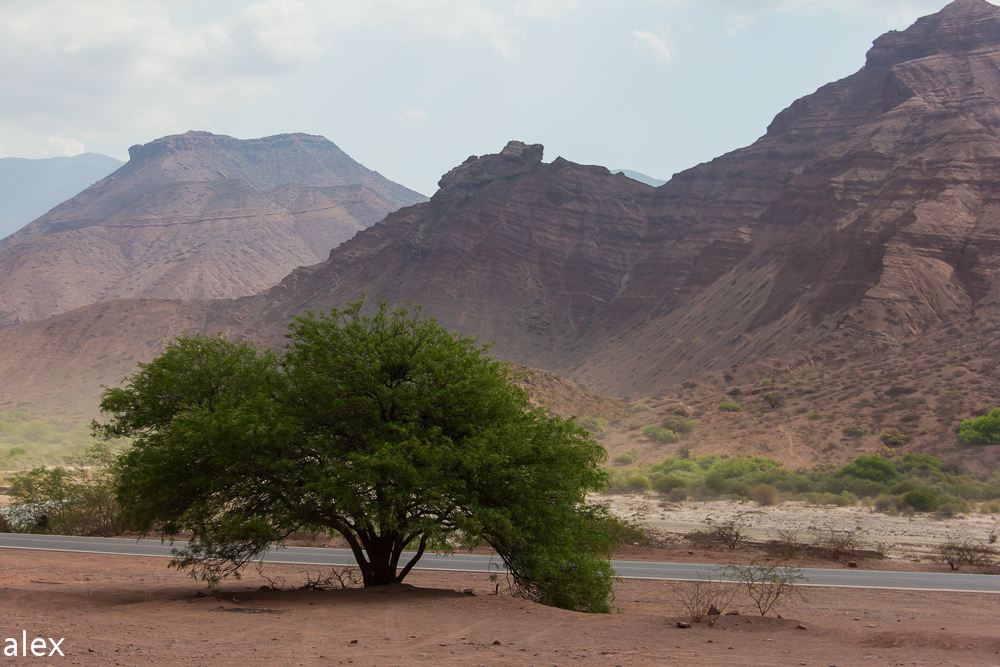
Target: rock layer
x=195 y=216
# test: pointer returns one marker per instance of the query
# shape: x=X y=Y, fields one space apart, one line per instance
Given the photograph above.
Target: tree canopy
x=385 y=428
x=984 y=430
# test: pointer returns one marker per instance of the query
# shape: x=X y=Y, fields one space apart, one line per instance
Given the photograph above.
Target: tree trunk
x=378 y=557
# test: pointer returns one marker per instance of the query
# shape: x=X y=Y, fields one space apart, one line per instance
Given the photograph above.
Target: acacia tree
x=386 y=428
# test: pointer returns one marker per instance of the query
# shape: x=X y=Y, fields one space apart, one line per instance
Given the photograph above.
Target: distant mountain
x=29 y=188
x=863 y=226
x=194 y=216
x=637 y=176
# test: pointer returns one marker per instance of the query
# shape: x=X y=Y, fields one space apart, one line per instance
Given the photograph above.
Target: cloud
x=543 y=8
x=655 y=44
x=98 y=69
x=413 y=114
x=898 y=14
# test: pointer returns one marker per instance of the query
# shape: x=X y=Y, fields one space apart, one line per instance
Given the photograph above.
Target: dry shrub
x=966 y=552
x=707 y=596
x=765 y=495
x=729 y=533
x=839 y=543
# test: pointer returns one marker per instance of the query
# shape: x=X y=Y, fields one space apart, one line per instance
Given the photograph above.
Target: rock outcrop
x=195 y=216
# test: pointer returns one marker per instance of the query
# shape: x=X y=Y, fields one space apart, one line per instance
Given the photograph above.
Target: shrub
x=668 y=483
x=681 y=412
x=965 y=552
x=920 y=500
x=894 y=437
x=659 y=434
x=678 y=494
x=682 y=453
x=814 y=498
x=707 y=596
x=885 y=503
x=839 y=500
x=899 y=390
x=735 y=391
x=679 y=424
x=626 y=458
x=854 y=431
x=640 y=407
x=765 y=381
x=814 y=416
x=636 y=482
x=873 y=468
x=773 y=400
x=596 y=425
x=765 y=494
x=729 y=406
x=767 y=584
x=983 y=430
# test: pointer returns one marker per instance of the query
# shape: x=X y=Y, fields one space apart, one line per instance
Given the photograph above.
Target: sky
x=411 y=88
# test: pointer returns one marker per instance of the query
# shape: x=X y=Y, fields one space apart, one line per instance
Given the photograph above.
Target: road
x=923 y=581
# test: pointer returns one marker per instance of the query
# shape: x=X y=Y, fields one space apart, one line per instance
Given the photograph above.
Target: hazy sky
x=413 y=87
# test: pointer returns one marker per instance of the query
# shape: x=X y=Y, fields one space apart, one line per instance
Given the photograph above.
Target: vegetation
x=854 y=431
x=894 y=437
x=729 y=406
x=767 y=584
x=659 y=434
x=28 y=442
x=984 y=430
x=917 y=482
x=76 y=500
x=386 y=428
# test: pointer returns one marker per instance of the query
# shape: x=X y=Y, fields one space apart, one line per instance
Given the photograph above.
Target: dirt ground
x=114 y=610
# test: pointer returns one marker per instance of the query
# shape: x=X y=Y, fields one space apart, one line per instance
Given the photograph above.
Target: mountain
x=862 y=228
x=194 y=216
x=639 y=176
x=29 y=188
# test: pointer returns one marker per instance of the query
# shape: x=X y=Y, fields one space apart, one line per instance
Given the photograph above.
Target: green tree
x=387 y=429
x=983 y=430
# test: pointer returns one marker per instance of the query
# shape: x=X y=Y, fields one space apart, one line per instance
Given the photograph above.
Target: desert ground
x=135 y=611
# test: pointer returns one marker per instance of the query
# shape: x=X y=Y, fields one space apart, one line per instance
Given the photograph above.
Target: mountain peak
x=960 y=27
x=476 y=172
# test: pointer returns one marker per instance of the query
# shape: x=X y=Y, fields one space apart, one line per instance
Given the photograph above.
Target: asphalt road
x=924 y=581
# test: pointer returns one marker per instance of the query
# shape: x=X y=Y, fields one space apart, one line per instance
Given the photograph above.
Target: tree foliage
x=385 y=428
x=984 y=430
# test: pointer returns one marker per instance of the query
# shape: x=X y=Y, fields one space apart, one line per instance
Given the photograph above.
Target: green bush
x=596 y=425
x=814 y=416
x=773 y=400
x=679 y=424
x=765 y=381
x=626 y=458
x=886 y=503
x=920 y=500
x=668 y=483
x=894 y=437
x=873 y=468
x=729 y=406
x=983 y=430
x=636 y=482
x=839 y=499
x=640 y=407
x=660 y=434
x=899 y=390
x=814 y=498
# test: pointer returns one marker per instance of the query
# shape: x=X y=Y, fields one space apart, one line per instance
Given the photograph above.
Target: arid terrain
x=134 y=611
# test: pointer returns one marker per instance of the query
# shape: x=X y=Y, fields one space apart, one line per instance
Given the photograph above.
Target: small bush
x=886 y=503
x=773 y=400
x=814 y=498
x=729 y=406
x=920 y=500
x=966 y=552
x=765 y=495
x=626 y=458
x=659 y=434
x=765 y=381
x=640 y=407
x=682 y=453
x=678 y=494
x=636 y=482
x=735 y=391
x=681 y=412
x=679 y=424
x=854 y=431
x=596 y=425
x=894 y=437
x=899 y=390
x=839 y=500
x=814 y=416
x=767 y=585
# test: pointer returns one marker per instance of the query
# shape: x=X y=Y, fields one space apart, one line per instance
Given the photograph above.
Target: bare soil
x=115 y=610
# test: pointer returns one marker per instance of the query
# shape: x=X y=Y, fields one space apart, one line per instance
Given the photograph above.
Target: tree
x=387 y=429
x=873 y=468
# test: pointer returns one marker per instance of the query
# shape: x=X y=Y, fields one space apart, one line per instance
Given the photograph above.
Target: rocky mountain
x=862 y=227
x=194 y=216
x=29 y=188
